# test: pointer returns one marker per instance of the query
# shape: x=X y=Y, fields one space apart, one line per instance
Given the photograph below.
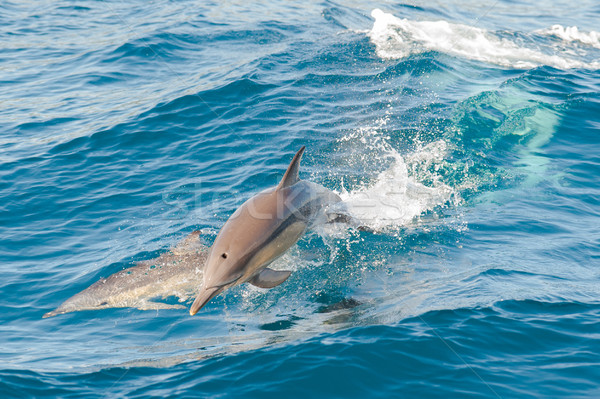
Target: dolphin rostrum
x=174 y=273
x=260 y=231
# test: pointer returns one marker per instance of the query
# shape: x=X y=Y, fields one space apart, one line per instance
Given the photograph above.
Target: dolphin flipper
x=269 y=278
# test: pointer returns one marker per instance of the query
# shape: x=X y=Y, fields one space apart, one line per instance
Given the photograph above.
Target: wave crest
x=396 y=38
x=572 y=34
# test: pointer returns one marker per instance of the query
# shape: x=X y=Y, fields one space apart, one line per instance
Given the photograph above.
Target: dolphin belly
x=304 y=205
x=281 y=240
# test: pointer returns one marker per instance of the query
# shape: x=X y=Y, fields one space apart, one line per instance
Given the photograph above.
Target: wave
x=397 y=38
x=572 y=34
x=536 y=337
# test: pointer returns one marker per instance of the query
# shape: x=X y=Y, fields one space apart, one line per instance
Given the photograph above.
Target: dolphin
x=177 y=272
x=261 y=230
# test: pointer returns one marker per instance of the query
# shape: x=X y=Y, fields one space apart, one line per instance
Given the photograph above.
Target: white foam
x=395 y=197
x=399 y=37
x=572 y=34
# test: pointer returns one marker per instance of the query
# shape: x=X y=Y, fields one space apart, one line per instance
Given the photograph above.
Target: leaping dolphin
x=174 y=273
x=260 y=231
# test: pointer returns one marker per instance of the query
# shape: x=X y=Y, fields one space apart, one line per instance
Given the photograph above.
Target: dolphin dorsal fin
x=291 y=174
x=190 y=245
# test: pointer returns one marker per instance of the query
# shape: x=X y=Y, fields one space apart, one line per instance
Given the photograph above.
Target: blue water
x=125 y=125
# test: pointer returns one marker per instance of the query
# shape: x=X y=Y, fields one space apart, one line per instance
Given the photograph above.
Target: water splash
x=397 y=195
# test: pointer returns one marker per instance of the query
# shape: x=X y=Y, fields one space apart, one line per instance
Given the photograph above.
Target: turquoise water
x=464 y=133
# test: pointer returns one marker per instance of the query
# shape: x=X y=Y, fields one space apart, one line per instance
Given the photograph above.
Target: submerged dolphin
x=260 y=231
x=174 y=273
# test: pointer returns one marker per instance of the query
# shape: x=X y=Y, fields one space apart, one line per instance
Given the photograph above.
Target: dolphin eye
x=224 y=255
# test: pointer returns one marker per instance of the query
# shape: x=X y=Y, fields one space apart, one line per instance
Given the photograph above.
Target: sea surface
x=465 y=134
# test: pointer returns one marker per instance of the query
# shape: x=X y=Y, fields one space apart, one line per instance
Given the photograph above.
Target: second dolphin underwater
x=174 y=273
x=261 y=230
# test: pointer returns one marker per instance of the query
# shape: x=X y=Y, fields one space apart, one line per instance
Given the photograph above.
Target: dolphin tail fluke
x=203 y=297
x=334 y=217
x=291 y=174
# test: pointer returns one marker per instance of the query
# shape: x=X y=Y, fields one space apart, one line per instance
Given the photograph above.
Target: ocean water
x=466 y=134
